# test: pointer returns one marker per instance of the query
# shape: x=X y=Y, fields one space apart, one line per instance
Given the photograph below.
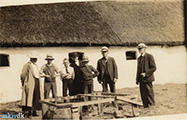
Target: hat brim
x=104 y=50
x=49 y=58
x=142 y=47
x=85 y=60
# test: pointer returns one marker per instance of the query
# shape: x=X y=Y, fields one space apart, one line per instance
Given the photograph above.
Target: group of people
x=77 y=77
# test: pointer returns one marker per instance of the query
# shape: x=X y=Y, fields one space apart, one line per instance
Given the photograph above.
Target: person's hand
x=65 y=75
x=143 y=75
x=115 y=79
x=48 y=76
x=53 y=76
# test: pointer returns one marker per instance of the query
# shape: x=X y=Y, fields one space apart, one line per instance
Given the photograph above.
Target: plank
x=115 y=94
x=92 y=102
x=129 y=101
x=97 y=96
x=63 y=105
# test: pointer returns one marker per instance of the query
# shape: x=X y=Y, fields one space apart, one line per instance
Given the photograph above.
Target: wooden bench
x=73 y=109
x=133 y=103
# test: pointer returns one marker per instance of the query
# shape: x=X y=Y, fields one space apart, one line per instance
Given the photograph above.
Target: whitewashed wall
x=171 y=66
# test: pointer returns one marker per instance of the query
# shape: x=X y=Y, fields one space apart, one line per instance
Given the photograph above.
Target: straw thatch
x=55 y=24
x=153 y=22
x=93 y=23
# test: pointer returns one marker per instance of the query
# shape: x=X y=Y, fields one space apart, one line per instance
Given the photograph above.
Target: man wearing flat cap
x=31 y=86
x=145 y=69
x=49 y=71
x=108 y=72
x=88 y=72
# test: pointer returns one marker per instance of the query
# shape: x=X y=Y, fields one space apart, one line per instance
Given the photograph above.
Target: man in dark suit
x=145 y=77
x=77 y=82
x=108 y=73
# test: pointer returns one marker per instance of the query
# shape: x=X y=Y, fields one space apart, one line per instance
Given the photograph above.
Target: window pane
x=4 y=60
x=130 y=55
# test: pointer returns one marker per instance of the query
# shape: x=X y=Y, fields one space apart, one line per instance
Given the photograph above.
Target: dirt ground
x=170 y=99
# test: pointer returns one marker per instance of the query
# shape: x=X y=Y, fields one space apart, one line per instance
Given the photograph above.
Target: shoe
x=29 y=114
x=34 y=113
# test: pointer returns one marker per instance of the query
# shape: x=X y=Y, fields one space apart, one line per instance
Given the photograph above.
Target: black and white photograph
x=88 y=59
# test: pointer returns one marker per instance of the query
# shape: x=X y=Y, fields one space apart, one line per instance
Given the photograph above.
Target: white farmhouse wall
x=171 y=66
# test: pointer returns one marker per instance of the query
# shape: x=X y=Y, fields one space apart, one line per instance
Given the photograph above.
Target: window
x=4 y=60
x=130 y=55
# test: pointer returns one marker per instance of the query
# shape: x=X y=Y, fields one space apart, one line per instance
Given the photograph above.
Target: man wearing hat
x=145 y=69
x=31 y=86
x=75 y=64
x=108 y=71
x=88 y=72
x=50 y=72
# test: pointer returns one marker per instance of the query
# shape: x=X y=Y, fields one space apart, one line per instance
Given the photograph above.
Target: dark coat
x=77 y=82
x=88 y=73
x=111 y=67
x=150 y=68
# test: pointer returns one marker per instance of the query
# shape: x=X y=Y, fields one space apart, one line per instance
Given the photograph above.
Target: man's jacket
x=150 y=68
x=111 y=68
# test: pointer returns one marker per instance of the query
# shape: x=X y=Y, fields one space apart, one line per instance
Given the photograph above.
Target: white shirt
x=143 y=54
x=65 y=75
x=35 y=70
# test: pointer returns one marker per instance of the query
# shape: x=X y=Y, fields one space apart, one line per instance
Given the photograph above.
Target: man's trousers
x=107 y=81
x=147 y=94
x=67 y=85
x=50 y=86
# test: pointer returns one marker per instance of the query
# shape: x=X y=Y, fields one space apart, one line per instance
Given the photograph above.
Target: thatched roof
x=156 y=22
x=55 y=24
x=93 y=23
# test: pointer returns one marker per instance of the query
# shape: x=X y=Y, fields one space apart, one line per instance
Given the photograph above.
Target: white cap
x=142 y=45
x=33 y=54
x=104 y=49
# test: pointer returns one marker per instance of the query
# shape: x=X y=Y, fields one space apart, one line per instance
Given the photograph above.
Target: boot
x=29 y=114
x=34 y=113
